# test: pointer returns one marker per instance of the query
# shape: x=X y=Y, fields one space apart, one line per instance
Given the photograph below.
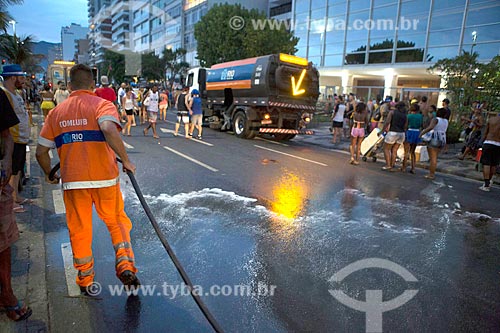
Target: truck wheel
x=284 y=137
x=241 y=126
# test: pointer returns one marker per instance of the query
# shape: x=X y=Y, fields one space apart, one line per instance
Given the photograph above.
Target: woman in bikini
x=47 y=100
x=358 y=131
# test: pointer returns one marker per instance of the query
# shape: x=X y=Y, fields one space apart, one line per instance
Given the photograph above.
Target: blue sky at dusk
x=44 y=18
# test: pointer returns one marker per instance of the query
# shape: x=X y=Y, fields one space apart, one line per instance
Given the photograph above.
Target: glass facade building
x=391 y=43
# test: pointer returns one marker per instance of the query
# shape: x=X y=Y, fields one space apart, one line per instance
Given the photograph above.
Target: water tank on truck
x=274 y=94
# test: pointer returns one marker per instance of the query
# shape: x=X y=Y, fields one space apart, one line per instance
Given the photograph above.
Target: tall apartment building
x=68 y=37
x=384 y=47
x=152 y=25
x=99 y=34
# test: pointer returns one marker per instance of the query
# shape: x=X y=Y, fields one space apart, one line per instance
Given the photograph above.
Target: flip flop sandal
x=25 y=201
x=18 y=312
x=19 y=209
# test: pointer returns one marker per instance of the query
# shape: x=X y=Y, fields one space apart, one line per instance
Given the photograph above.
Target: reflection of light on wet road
x=289 y=196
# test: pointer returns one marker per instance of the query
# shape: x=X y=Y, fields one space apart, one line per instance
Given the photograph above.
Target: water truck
x=274 y=94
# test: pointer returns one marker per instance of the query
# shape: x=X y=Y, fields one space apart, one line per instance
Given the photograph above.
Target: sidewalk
x=447 y=163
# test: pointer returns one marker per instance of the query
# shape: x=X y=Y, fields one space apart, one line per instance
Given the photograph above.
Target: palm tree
x=4 y=15
x=19 y=50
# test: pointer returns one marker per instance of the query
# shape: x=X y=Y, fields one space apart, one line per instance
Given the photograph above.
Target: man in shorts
x=152 y=108
x=490 y=157
x=182 y=112
x=14 y=79
x=196 y=113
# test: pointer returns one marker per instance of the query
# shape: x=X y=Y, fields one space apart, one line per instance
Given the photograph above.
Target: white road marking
x=69 y=270
x=57 y=197
x=166 y=130
x=340 y=151
x=290 y=155
x=271 y=141
x=191 y=159
x=170 y=122
x=202 y=142
x=28 y=162
x=127 y=145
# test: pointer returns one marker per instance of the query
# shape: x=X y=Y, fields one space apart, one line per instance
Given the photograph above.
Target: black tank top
x=181 y=103
x=398 y=121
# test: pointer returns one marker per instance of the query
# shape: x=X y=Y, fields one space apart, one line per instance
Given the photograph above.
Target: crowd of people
x=150 y=105
x=412 y=123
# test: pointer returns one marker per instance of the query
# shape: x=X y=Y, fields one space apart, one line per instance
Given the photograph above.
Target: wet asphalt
x=287 y=218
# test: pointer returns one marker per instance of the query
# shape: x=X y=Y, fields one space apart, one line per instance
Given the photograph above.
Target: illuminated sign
x=293 y=59
x=61 y=62
x=296 y=87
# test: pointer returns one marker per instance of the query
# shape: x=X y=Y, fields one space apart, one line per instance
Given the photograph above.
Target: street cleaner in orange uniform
x=85 y=129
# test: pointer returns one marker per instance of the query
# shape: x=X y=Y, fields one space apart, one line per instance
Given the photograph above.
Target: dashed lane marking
x=191 y=159
x=127 y=145
x=340 y=151
x=290 y=155
x=273 y=142
x=57 y=197
x=166 y=130
x=69 y=270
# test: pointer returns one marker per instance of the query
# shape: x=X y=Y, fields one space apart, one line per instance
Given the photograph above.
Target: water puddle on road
x=297 y=244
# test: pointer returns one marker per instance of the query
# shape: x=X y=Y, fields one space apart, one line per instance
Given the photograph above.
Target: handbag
x=427 y=137
x=146 y=101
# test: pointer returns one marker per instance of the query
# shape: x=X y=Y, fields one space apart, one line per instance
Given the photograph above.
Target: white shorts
x=395 y=137
x=197 y=119
x=183 y=117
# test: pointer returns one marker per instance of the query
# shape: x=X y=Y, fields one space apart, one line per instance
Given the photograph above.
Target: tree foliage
x=152 y=67
x=218 y=42
x=489 y=83
x=4 y=15
x=174 y=64
x=19 y=50
x=415 y=55
x=467 y=80
x=113 y=66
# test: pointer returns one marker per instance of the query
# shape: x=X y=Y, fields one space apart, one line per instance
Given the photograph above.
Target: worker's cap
x=12 y=70
x=195 y=92
x=414 y=101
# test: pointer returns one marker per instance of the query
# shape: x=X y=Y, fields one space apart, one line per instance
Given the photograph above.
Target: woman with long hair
x=47 y=100
x=360 y=117
x=129 y=103
x=437 y=127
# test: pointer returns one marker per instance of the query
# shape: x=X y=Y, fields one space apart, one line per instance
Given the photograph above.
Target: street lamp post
x=13 y=26
x=474 y=37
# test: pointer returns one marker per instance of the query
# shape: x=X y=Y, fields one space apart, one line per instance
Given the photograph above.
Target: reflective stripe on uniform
x=83 y=261
x=88 y=272
x=122 y=245
x=124 y=258
x=46 y=143
x=90 y=184
x=79 y=136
